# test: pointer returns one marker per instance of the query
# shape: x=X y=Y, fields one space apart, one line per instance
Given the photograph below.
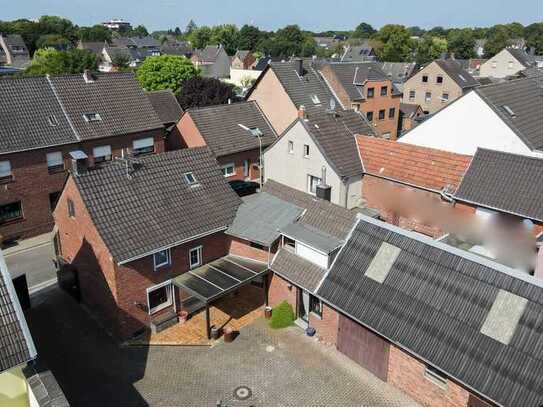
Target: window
x=384 y=90
x=315 y=99
x=101 y=154
x=382 y=114
x=52 y=120
x=425 y=78
x=195 y=257
x=10 y=212
x=412 y=95
x=494 y=64
x=356 y=107
x=371 y=92
x=143 y=146
x=306 y=151
x=369 y=116
x=386 y=136
x=246 y=166
x=445 y=98
x=161 y=259
x=510 y=65
x=439 y=80
x=53 y=199
x=5 y=171
x=229 y=170
x=435 y=376
x=92 y=117
x=315 y=306
x=55 y=162
x=312 y=183
x=257 y=246
x=190 y=178
x=428 y=97
x=391 y=113
x=71 y=208
x=291 y=147
x=159 y=297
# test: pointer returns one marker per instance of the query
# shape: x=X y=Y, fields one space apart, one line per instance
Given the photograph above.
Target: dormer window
x=315 y=99
x=92 y=117
x=190 y=179
x=52 y=120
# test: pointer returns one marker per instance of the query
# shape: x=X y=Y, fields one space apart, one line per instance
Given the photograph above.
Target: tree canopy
x=165 y=72
x=54 y=62
x=363 y=30
x=462 y=43
x=397 y=44
x=200 y=92
x=430 y=48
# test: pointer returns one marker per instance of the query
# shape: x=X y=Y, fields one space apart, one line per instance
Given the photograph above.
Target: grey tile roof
x=434 y=302
x=359 y=53
x=116 y=97
x=398 y=72
x=220 y=127
x=297 y=270
x=16 y=345
x=166 y=106
x=320 y=214
x=209 y=54
x=312 y=236
x=242 y=54
x=525 y=99
x=408 y=109
x=260 y=217
x=522 y=56
x=156 y=208
x=353 y=76
x=137 y=42
x=455 y=71
x=96 y=47
x=335 y=136
x=504 y=181
x=26 y=105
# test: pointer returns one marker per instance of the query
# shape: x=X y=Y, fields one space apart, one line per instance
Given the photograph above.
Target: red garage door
x=363 y=346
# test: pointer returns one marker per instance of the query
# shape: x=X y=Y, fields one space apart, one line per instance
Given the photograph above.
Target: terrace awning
x=215 y=279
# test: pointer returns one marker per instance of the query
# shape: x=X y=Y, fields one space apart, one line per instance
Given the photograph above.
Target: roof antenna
x=130 y=163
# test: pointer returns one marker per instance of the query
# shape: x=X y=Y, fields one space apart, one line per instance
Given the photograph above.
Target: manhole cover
x=242 y=393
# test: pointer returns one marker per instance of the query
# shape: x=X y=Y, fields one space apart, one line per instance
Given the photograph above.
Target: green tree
x=249 y=37
x=54 y=62
x=58 y=25
x=534 y=37
x=53 y=41
x=397 y=44
x=438 y=32
x=516 y=30
x=95 y=33
x=200 y=92
x=200 y=37
x=498 y=38
x=416 y=31
x=227 y=35
x=139 y=31
x=462 y=43
x=430 y=49
x=191 y=26
x=120 y=61
x=165 y=72
x=363 y=30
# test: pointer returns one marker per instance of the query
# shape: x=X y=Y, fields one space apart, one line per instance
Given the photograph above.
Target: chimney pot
x=302 y=114
x=299 y=66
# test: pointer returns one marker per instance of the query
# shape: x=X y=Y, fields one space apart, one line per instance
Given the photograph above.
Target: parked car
x=243 y=188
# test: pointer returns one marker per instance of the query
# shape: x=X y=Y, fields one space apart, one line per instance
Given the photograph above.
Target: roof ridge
x=57 y=97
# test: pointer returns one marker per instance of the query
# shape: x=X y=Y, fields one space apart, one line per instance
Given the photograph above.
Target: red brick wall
x=190 y=135
x=238 y=159
x=32 y=182
x=326 y=326
x=281 y=290
x=336 y=86
x=243 y=248
x=407 y=374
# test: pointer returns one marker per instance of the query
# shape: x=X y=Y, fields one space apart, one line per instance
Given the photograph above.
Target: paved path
x=281 y=368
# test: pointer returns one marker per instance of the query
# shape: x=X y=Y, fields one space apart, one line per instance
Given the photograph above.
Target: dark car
x=243 y=188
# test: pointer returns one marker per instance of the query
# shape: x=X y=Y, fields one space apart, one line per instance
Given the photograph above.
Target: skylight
x=315 y=99
x=92 y=117
x=382 y=262
x=255 y=131
x=509 y=111
x=504 y=315
x=190 y=178
x=52 y=120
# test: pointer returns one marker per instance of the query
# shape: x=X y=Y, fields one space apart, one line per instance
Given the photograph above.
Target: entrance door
x=363 y=346
x=303 y=307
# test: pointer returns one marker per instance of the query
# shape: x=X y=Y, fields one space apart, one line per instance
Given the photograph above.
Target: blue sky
x=270 y=14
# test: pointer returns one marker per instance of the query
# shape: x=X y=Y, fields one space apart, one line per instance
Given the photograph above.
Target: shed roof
x=297 y=270
x=312 y=237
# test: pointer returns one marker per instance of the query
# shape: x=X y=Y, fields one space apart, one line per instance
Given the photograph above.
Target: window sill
x=161 y=266
x=7 y=180
x=11 y=221
x=192 y=267
x=319 y=317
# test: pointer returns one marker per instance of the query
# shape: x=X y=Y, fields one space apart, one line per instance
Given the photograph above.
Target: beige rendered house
x=507 y=62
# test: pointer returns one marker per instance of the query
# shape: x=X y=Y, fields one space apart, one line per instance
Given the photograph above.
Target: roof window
x=190 y=179
x=382 y=263
x=255 y=131
x=504 y=315
x=92 y=117
x=509 y=111
x=315 y=99
x=52 y=120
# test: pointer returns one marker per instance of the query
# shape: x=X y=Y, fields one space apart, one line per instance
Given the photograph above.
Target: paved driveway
x=281 y=368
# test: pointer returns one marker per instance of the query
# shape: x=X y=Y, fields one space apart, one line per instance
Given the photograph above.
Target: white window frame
x=6 y=172
x=225 y=169
x=306 y=151
x=443 y=98
x=427 y=98
x=197 y=249
x=164 y=264
x=55 y=161
x=309 y=183
x=102 y=153
x=166 y=304
x=143 y=144
x=315 y=99
x=435 y=377
x=412 y=95
x=246 y=166
x=291 y=147
x=92 y=117
x=187 y=177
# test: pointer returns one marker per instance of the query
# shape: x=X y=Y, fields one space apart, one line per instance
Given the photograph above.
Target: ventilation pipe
x=324 y=191
x=302 y=114
x=299 y=66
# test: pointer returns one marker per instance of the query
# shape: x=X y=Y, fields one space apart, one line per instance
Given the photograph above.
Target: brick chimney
x=302 y=114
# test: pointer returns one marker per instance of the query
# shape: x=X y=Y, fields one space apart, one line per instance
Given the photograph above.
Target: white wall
x=293 y=169
x=311 y=255
x=463 y=126
x=237 y=75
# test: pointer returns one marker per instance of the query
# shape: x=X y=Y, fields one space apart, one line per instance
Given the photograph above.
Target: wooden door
x=363 y=346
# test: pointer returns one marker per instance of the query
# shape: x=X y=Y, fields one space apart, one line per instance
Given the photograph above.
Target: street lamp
x=256 y=132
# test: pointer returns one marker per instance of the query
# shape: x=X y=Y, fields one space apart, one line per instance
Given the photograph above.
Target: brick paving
x=282 y=368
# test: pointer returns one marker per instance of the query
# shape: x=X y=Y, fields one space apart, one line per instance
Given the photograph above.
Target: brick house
x=236 y=133
x=243 y=60
x=49 y=122
x=364 y=87
x=410 y=117
x=411 y=186
x=438 y=84
x=131 y=228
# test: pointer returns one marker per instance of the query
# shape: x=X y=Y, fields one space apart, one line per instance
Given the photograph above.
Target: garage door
x=363 y=346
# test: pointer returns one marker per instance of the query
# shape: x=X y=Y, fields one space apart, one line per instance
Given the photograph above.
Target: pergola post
x=208 y=324
x=265 y=279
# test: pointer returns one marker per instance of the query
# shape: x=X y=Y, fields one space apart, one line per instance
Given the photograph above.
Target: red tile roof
x=419 y=166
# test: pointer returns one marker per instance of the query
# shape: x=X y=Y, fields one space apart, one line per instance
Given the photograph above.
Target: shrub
x=282 y=316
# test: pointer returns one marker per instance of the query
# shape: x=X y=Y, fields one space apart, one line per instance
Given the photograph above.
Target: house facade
x=213 y=61
x=437 y=85
x=364 y=87
x=13 y=51
x=243 y=60
x=410 y=117
x=56 y=123
x=237 y=134
x=506 y=63
x=127 y=281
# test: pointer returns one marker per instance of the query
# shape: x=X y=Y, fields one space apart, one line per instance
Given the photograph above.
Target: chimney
x=302 y=114
x=324 y=191
x=299 y=66
x=88 y=76
x=79 y=162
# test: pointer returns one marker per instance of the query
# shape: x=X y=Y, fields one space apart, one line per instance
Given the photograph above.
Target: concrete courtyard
x=275 y=368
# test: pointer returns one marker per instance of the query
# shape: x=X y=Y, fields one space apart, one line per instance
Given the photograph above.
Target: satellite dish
x=332 y=104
